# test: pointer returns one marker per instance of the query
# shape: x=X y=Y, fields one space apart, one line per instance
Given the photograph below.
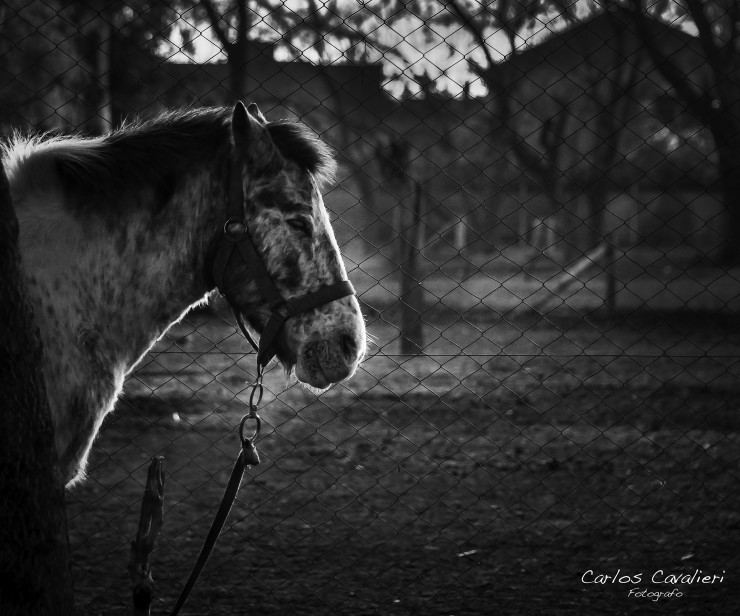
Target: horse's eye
x=301 y=225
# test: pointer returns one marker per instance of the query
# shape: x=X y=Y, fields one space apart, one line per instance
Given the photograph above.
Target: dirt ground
x=453 y=484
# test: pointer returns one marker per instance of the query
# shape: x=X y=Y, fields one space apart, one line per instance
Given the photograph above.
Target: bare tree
x=314 y=25
x=95 y=41
x=613 y=96
x=715 y=102
x=540 y=166
x=236 y=16
x=39 y=70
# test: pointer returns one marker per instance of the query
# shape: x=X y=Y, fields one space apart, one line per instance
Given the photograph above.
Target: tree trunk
x=500 y=80
x=726 y=132
x=412 y=293
x=104 y=68
x=613 y=95
x=34 y=551
x=552 y=139
x=238 y=60
x=608 y=236
x=716 y=103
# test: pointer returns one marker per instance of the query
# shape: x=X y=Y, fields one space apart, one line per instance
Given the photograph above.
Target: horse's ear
x=255 y=112
x=238 y=121
x=253 y=140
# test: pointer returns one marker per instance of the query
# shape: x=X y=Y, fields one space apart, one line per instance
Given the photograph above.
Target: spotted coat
x=115 y=238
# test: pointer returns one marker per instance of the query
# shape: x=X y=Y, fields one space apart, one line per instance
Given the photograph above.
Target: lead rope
x=247 y=457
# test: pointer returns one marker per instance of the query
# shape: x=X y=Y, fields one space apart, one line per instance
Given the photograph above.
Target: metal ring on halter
x=235 y=226
x=257 y=427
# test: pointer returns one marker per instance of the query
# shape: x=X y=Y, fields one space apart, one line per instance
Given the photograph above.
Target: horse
x=117 y=235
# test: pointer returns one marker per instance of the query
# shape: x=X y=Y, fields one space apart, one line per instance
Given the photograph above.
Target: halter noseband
x=235 y=237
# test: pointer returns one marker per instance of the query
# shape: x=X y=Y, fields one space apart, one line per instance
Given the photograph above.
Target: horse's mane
x=150 y=152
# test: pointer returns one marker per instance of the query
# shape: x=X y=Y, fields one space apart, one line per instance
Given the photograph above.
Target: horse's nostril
x=348 y=347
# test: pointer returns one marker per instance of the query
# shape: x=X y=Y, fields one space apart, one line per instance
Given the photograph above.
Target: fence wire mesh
x=537 y=205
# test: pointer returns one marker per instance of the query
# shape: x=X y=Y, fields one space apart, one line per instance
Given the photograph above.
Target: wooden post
x=395 y=159
x=412 y=293
x=150 y=523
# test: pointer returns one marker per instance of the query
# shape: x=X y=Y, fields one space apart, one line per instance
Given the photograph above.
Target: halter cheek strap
x=235 y=239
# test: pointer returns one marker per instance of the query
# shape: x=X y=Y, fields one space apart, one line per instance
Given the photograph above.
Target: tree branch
x=734 y=13
x=242 y=25
x=699 y=103
x=469 y=23
x=706 y=36
x=552 y=137
x=616 y=99
x=215 y=18
x=530 y=159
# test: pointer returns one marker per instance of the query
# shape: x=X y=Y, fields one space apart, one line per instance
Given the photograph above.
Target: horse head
x=276 y=172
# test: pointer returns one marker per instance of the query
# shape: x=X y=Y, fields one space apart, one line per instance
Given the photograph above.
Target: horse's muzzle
x=324 y=360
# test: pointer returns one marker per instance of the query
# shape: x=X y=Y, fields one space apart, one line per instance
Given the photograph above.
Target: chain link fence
x=537 y=203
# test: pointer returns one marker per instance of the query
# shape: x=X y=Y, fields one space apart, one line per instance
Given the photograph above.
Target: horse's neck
x=163 y=275
x=117 y=287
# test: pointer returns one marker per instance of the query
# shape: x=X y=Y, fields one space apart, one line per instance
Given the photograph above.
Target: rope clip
x=249 y=451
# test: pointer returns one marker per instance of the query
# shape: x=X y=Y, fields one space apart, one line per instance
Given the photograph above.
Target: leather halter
x=235 y=238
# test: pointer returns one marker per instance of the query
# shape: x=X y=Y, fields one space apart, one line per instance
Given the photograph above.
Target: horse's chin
x=294 y=374
x=312 y=377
